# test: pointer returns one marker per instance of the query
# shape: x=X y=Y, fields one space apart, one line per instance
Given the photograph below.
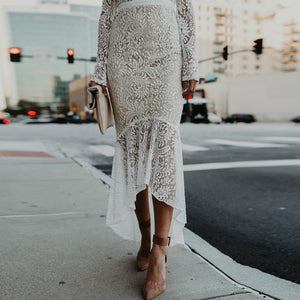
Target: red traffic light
x=190 y=97
x=70 y=56
x=15 y=54
x=14 y=50
x=70 y=52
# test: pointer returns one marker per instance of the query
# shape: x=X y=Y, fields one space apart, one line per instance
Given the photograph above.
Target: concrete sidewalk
x=54 y=243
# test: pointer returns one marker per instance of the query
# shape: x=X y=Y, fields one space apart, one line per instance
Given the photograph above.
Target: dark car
x=296 y=119
x=5 y=118
x=195 y=108
x=236 y=118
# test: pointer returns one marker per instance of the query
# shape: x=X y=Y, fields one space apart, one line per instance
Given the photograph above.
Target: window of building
x=258 y=31
x=199 y=7
x=245 y=11
x=245 y=30
x=244 y=67
x=245 y=21
x=257 y=67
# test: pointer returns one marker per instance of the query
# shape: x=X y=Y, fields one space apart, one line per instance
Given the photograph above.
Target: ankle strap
x=145 y=224
x=161 y=241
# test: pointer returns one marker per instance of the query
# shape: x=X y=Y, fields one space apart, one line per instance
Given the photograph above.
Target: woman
x=147 y=59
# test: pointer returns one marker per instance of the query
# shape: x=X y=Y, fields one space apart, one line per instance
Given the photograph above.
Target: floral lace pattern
x=148 y=152
x=185 y=22
x=144 y=53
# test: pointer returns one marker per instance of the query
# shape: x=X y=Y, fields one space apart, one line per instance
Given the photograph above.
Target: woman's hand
x=93 y=83
x=190 y=86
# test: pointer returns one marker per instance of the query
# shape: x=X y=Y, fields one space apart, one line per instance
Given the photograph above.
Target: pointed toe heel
x=150 y=289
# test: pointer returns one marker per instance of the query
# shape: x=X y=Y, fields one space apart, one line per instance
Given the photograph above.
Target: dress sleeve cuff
x=97 y=80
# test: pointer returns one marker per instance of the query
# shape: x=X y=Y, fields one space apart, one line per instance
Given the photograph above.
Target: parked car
x=237 y=118
x=196 y=109
x=5 y=118
x=213 y=118
x=296 y=119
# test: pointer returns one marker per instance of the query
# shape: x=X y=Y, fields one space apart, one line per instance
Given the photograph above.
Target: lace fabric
x=140 y=59
x=186 y=24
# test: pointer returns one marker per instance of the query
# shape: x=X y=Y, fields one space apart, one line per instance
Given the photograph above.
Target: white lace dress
x=146 y=48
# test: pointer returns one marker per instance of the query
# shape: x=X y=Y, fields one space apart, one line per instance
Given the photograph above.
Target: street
x=248 y=211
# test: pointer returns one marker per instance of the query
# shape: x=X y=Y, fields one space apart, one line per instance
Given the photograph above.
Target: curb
x=247 y=278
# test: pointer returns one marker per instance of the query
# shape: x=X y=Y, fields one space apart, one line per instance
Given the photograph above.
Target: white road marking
x=106 y=150
x=286 y=139
x=246 y=144
x=191 y=148
x=242 y=164
x=41 y=215
x=22 y=146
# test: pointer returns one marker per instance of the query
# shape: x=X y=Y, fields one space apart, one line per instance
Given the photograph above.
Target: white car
x=213 y=118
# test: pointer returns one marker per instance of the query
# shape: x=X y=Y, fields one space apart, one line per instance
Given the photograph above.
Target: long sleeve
x=104 y=26
x=186 y=22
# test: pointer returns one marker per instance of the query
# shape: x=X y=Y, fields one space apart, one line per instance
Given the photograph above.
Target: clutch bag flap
x=102 y=107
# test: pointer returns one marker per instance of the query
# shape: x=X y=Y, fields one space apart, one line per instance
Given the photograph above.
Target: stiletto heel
x=142 y=261
x=151 y=290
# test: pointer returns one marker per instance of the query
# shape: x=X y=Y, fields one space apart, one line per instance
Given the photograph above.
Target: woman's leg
x=143 y=214
x=156 y=273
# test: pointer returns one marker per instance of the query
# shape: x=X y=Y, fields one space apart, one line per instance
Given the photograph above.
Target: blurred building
x=290 y=52
x=78 y=96
x=44 y=29
x=237 y=24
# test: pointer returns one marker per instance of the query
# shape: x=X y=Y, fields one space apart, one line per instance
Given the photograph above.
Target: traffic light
x=225 y=53
x=15 y=54
x=70 y=56
x=258 y=46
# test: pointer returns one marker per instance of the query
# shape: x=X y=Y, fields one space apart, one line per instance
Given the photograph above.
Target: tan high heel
x=151 y=290
x=142 y=261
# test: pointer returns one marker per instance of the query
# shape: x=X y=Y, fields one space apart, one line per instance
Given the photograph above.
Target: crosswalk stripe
x=191 y=148
x=106 y=150
x=242 y=164
x=22 y=146
x=246 y=144
x=286 y=139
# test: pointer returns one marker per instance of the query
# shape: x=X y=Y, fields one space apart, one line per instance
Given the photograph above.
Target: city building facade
x=44 y=29
x=236 y=24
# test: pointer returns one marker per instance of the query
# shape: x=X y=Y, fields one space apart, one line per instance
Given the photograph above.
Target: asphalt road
x=250 y=214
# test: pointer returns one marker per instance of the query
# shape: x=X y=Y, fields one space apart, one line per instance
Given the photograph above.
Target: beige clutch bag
x=101 y=105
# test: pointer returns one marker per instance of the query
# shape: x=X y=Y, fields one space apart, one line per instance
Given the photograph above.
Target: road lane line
x=246 y=144
x=191 y=148
x=286 y=139
x=242 y=164
x=42 y=215
x=106 y=150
